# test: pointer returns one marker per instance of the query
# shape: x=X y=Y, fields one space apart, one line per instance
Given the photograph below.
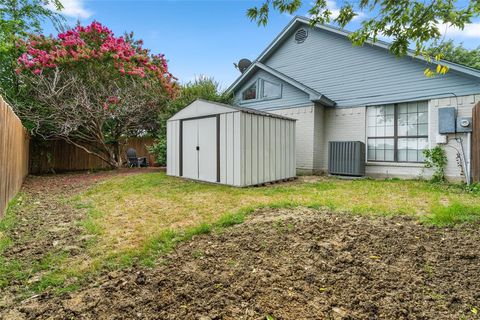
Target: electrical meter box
x=446 y=120
x=464 y=124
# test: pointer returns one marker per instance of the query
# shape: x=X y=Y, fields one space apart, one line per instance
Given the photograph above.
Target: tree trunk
x=117 y=154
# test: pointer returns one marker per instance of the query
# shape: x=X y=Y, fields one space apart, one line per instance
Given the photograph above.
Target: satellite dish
x=243 y=65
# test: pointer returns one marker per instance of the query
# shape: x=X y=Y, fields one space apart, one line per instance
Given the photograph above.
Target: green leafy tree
x=204 y=88
x=18 y=19
x=92 y=89
x=456 y=53
x=409 y=23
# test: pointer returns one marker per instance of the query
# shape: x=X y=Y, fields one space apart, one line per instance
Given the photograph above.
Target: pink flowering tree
x=92 y=89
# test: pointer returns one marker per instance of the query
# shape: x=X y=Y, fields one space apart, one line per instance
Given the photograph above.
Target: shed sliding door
x=200 y=149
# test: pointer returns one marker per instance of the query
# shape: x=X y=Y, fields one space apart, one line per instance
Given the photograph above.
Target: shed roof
x=218 y=109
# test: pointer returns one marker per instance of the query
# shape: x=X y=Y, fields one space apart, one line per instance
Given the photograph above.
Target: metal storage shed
x=216 y=142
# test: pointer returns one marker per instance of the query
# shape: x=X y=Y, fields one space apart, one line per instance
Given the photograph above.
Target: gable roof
x=313 y=94
x=298 y=21
x=208 y=107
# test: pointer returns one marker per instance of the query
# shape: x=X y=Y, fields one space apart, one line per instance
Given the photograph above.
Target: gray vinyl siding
x=355 y=76
x=291 y=96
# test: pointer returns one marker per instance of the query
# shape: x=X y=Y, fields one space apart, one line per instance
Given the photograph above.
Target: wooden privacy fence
x=14 y=149
x=60 y=156
x=476 y=143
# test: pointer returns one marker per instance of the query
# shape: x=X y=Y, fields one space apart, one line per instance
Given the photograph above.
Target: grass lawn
x=131 y=215
x=133 y=219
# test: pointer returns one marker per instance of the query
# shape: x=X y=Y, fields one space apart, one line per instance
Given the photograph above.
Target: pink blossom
x=98 y=43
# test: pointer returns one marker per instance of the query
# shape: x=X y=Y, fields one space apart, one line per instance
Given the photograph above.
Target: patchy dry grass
x=132 y=219
x=127 y=212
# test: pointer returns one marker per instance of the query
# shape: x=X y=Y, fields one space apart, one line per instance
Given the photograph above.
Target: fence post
x=475 y=148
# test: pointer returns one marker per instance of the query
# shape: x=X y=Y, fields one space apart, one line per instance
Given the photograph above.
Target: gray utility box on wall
x=446 y=120
x=449 y=123
x=346 y=158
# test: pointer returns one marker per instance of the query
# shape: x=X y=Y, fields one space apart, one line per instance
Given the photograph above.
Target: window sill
x=396 y=164
x=258 y=100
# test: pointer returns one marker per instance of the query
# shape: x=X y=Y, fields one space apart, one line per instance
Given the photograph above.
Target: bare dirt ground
x=291 y=264
x=47 y=223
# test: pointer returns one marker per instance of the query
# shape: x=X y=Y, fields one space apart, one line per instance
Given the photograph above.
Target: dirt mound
x=293 y=264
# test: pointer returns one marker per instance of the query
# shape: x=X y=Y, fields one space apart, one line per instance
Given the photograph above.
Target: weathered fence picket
x=59 y=156
x=14 y=150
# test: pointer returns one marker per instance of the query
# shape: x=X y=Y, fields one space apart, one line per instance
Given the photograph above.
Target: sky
x=204 y=38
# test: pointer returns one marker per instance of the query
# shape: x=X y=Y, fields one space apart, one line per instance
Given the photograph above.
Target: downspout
x=468 y=161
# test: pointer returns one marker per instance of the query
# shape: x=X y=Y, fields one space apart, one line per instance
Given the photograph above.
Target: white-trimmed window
x=397 y=132
x=271 y=90
x=250 y=93
x=262 y=90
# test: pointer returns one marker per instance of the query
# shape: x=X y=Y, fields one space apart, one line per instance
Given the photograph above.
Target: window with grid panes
x=397 y=132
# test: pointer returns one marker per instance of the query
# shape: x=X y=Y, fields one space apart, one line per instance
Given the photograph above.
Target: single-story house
x=339 y=92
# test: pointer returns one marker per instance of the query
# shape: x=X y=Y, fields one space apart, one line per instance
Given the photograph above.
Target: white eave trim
x=313 y=94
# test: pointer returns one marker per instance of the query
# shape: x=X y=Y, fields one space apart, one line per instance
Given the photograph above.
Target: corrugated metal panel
x=273 y=149
x=173 y=132
x=237 y=149
x=346 y=158
x=223 y=148
x=269 y=153
x=261 y=149
x=255 y=144
x=248 y=149
x=228 y=146
x=253 y=148
x=292 y=147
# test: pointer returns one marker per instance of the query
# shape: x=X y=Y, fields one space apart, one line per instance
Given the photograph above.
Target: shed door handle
x=198 y=148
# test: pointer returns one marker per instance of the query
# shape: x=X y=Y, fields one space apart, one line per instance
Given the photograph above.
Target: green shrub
x=437 y=159
x=473 y=188
x=159 y=150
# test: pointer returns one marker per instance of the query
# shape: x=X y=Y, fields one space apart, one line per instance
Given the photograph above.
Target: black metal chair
x=134 y=161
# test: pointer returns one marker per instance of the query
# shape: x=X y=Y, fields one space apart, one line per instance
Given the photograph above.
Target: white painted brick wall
x=316 y=126
x=319 y=139
x=342 y=125
x=464 y=107
x=305 y=128
x=397 y=170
